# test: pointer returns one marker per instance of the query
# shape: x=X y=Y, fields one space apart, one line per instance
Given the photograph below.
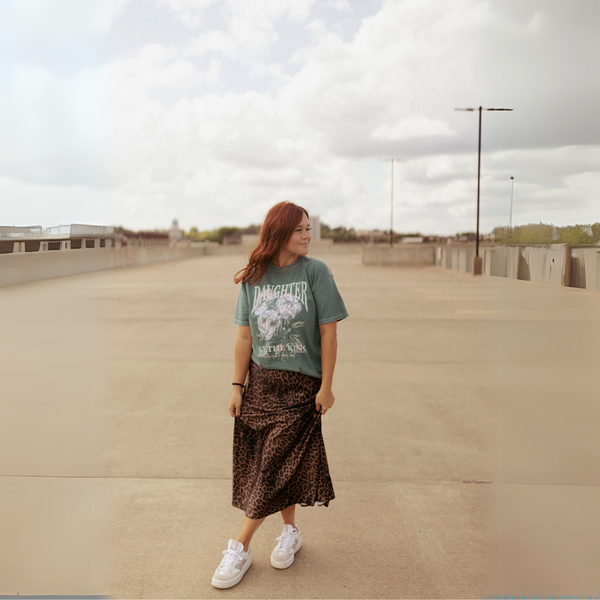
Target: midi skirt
x=278 y=450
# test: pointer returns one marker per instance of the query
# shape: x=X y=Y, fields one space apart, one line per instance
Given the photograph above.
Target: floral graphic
x=261 y=308
x=268 y=323
x=274 y=316
x=288 y=306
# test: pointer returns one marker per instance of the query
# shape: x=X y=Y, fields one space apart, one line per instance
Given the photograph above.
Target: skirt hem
x=302 y=503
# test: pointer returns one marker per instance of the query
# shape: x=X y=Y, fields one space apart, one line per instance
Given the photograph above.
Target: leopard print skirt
x=278 y=450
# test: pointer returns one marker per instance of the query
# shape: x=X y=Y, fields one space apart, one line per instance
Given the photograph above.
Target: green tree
x=215 y=235
x=543 y=233
x=339 y=234
x=575 y=235
x=502 y=234
x=533 y=233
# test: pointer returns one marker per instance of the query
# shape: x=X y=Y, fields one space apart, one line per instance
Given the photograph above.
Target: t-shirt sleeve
x=330 y=306
x=242 y=311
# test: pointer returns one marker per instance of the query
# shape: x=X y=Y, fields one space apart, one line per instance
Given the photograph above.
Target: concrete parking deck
x=462 y=444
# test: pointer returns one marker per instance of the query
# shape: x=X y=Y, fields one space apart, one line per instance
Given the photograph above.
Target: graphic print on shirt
x=275 y=308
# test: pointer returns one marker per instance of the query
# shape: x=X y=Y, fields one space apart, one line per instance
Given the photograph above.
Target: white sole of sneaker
x=223 y=585
x=288 y=562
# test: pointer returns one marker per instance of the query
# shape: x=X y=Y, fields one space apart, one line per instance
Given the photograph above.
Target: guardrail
x=556 y=264
x=23 y=267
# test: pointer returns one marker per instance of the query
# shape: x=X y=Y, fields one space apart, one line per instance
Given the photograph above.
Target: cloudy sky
x=135 y=112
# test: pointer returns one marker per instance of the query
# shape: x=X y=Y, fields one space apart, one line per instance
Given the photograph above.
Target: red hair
x=277 y=229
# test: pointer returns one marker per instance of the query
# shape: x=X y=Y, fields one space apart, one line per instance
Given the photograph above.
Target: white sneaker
x=289 y=543
x=233 y=566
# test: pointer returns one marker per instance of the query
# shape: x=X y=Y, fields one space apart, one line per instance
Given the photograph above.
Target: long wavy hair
x=275 y=233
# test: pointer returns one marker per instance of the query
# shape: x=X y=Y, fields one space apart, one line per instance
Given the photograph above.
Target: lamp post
x=477 y=261
x=392 y=202
x=512 y=187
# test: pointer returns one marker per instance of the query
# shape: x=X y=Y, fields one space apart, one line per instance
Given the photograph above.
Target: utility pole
x=477 y=270
x=512 y=187
x=392 y=202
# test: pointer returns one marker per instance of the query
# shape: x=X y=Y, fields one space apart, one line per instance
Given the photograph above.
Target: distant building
x=372 y=236
x=62 y=237
x=233 y=238
x=8 y=231
x=315 y=224
x=250 y=239
x=412 y=240
x=76 y=236
x=175 y=233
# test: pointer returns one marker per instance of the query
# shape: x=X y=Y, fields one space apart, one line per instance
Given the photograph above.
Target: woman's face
x=300 y=238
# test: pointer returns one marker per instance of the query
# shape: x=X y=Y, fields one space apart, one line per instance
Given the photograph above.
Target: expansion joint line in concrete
x=422 y=481
x=425 y=481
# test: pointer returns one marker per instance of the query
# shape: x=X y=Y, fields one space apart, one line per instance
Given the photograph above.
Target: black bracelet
x=240 y=384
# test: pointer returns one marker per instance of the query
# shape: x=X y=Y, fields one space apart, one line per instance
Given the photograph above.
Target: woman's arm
x=325 y=398
x=242 y=354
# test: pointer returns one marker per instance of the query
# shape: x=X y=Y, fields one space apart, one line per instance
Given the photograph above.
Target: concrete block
x=470 y=256
x=487 y=263
x=498 y=261
x=559 y=264
x=398 y=256
x=462 y=260
x=585 y=263
x=23 y=266
x=513 y=257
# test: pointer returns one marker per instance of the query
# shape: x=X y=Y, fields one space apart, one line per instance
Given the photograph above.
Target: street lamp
x=392 y=202
x=512 y=187
x=477 y=262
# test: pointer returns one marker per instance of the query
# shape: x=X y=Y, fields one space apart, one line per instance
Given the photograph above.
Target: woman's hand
x=235 y=404
x=324 y=400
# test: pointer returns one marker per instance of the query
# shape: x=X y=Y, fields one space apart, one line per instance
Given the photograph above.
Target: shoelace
x=285 y=541
x=228 y=562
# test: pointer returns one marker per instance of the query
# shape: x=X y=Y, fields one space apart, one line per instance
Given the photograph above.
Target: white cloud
x=189 y=12
x=536 y=22
x=154 y=67
x=28 y=203
x=212 y=41
x=63 y=19
x=215 y=128
x=250 y=26
x=54 y=128
x=414 y=127
x=341 y=5
x=315 y=140
x=391 y=74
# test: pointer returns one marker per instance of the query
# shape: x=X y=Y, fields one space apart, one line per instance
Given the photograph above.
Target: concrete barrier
x=23 y=267
x=585 y=268
x=498 y=261
x=557 y=264
x=465 y=259
x=548 y=264
x=316 y=248
x=404 y=256
x=513 y=261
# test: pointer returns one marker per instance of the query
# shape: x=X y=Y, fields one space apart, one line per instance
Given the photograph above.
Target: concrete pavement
x=430 y=410
x=407 y=429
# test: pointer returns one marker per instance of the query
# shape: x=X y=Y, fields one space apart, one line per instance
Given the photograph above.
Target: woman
x=285 y=351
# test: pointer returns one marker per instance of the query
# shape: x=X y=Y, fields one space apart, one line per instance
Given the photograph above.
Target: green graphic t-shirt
x=284 y=310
